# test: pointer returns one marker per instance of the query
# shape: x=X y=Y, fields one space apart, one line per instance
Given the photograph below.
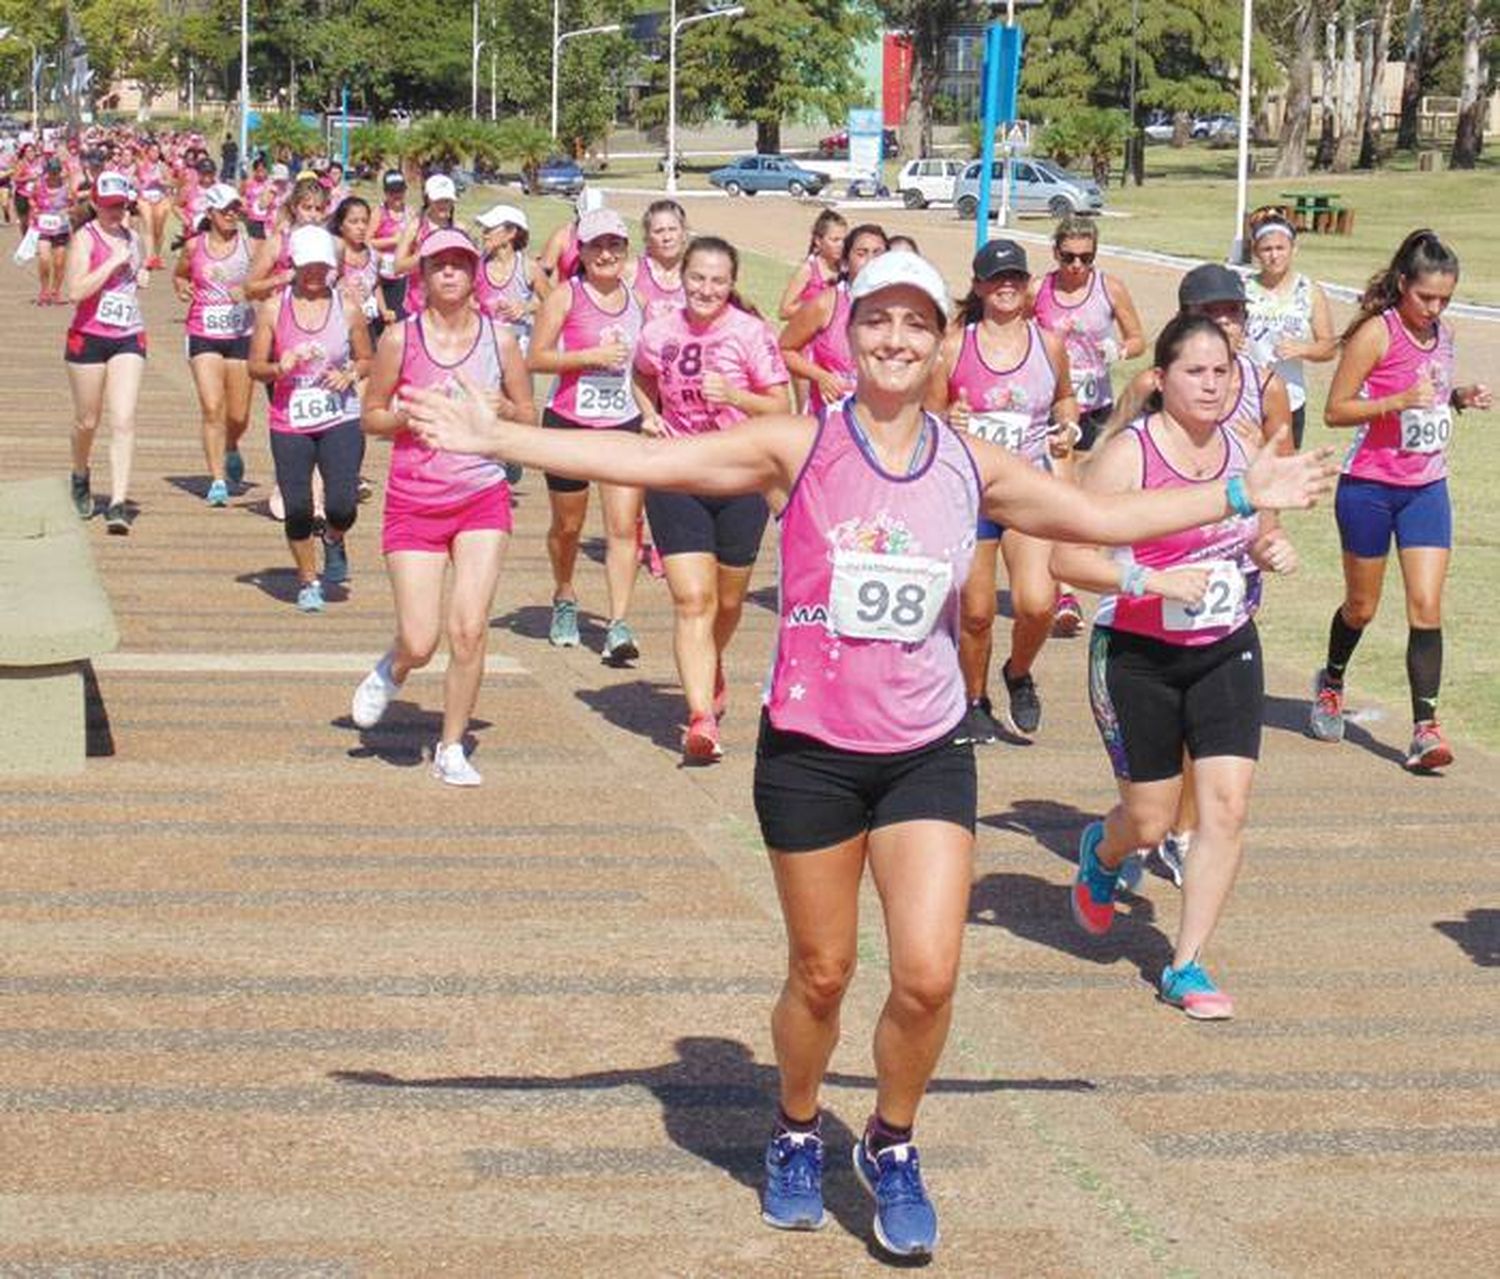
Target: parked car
x=836 y=145
x=1214 y=127
x=1037 y=186
x=752 y=173
x=920 y=182
x=556 y=175
x=1159 y=127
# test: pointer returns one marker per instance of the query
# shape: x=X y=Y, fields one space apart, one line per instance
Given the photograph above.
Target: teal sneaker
x=218 y=494
x=619 y=644
x=564 y=630
x=1093 y=895
x=1192 y=990
x=310 y=597
x=234 y=467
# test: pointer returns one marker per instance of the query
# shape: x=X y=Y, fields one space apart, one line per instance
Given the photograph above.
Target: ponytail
x=824 y=220
x=1421 y=253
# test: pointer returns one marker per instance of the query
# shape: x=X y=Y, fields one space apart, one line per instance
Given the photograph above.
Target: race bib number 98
x=118 y=309
x=1221 y=601
x=603 y=398
x=1008 y=430
x=887 y=597
x=1426 y=430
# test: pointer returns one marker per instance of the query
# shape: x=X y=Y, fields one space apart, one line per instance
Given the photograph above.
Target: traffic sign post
x=1002 y=79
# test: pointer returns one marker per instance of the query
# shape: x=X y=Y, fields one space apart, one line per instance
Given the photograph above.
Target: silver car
x=1037 y=186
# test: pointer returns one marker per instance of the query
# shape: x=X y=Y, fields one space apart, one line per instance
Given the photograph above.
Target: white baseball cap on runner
x=221 y=196
x=439 y=187
x=500 y=214
x=310 y=245
x=900 y=267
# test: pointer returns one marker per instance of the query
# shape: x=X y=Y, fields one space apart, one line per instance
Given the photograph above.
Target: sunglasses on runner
x=1075 y=259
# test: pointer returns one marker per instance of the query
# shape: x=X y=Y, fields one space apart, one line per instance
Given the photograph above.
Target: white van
x=921 y=182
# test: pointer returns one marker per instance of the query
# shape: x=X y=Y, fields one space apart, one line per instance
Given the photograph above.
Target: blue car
x=752 y=173
x=555 y=176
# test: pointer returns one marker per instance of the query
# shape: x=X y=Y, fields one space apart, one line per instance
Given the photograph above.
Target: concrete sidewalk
x=275 y=1002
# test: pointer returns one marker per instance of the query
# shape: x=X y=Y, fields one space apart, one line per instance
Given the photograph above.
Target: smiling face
x=1424 y=299
x=1195 y=384
x=895 y=335
x=604 y=258
x=708 y=279
x=1003 y=295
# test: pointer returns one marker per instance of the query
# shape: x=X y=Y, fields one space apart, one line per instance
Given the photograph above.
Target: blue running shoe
x=1128 y=877
x=234 y=467
x=564 y=630
x=310 y=597
x=1191 y=989
x=793 y=1197
x=905 y=1222
x=335 y=562
x=1093 y=893
x=218 y=494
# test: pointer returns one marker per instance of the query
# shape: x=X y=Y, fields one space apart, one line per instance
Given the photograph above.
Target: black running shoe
x=1025 y=715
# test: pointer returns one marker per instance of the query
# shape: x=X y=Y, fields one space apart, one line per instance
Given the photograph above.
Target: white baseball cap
x=500 y=214
x=439 y=187
x=901 y=267
x=310 y=245
x=221 y=196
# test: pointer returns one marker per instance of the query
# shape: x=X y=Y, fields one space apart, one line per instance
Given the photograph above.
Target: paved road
x=274 y=1002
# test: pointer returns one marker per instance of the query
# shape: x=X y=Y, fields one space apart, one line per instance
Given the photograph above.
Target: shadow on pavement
x=643 y=707
x=1289 y=714
x=280 y=582
x=405 y=736
x=718 y=1104
x=1478 y=934
x=1038 y=911
x=1056 y=827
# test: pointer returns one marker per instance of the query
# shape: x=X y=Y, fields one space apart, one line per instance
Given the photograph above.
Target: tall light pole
x=245 y=86
x=478 y=44
x=676 y=26
x=557 y=44
x=1237 y=245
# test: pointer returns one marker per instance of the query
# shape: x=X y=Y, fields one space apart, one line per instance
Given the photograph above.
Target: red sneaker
x=700 y=744
x=1067 y=616
x=1429 y=749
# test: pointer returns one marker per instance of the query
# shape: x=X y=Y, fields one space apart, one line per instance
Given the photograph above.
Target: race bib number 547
x=887 y=597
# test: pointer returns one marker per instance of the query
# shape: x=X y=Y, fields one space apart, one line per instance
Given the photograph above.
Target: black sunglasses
x=1071 y=259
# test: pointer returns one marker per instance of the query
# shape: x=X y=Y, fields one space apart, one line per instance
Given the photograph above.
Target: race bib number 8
x=314 y=406
x=887 y=597
x=1426 y=430
x=226 y=319
x=118 y=309
x=1221 y=601
x=603 y=398
x=1008 y=430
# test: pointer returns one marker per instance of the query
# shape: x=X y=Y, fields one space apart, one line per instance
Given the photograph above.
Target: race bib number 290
x=887 y=597
x=1426 y=430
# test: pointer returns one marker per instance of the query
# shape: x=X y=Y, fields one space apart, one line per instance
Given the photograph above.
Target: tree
x=783 y=59
x=1480 y=24
x=281 y=135
x=1096 y=134
x=1411 y=82
x=129 y=39
x=1377 y=50
x=1295 y=29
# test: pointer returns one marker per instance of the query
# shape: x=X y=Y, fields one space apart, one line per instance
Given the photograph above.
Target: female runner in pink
x=385 y=239
x=442 y=506
x=585 y=334
x=857 y=763
x=1005 y=379
x=1395 y=384
x=509 y=286
x=210 y=277
x=439 y=200
x=707 y=366
x=310 y=346
x=51 y=203
x=154 y=182
x=815 y=341
x=271 y=270
x=258 y=193
x=106 y=345
x=655 y=276
x=822 y=266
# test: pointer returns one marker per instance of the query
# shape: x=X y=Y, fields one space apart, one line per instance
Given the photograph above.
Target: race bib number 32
x=887 y=597
x=1426 y=430
x=603 y=399
x=1221 y=601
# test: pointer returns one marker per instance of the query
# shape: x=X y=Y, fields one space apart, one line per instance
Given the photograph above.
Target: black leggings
x=337 y=453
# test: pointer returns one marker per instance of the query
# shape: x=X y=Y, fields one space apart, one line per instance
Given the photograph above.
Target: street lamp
x=676 y=26
x=1237 y=245
x=557 y=43
x=244 y=86
x=9 y=33
x=478 y=44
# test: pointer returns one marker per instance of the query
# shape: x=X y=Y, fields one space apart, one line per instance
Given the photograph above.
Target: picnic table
x=1319 y=211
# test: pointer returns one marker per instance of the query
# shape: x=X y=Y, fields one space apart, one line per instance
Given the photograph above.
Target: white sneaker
x=451 y=765
x=373 y=695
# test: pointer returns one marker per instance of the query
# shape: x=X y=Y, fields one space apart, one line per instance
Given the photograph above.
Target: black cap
x=206 y=165
x=999 y=256
x=394 y=180
x=1210 y=283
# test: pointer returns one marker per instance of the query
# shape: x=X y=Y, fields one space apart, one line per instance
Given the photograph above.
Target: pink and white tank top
x=362 y=277
x=817 y=281
x=300 y=403
x=1010 y=407
x=679 y=354
x=829 y=349
x=1084 y=327
x=1411 y=447
x=49 y=210
x=151 y=180
x=1246 y=417
x=1222 y=548
x=416 y=289
x=254 y=196
x=213 y=312
x=115 y=310
x=655 y=298
x=516 y=288
x=436 y=479
x=597 y=397
x=871 y=566
x=387 y=225
x=567 y=260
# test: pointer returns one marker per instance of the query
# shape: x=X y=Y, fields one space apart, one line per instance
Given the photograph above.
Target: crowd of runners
x=908 y=438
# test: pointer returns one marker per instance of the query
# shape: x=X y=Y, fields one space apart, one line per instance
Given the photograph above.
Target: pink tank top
x=1247 y=415
x=387 y=225
x=655 y=298
x=435 y=479
x=1084 y=327
x=816 y=280
x=151 y=178
x=300 y=404
x=1223 y=548
x=567 y=260
x=738 y=346
x=1411 y=447
x=365 y=278
x=253 y=193
x=597 y=397
x=871 y=566
x=49 y=211
x=517 y=288
x=416 y=290
x=829 y=349
x=115 y=310
x=213 y=312
x=1010 y=407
